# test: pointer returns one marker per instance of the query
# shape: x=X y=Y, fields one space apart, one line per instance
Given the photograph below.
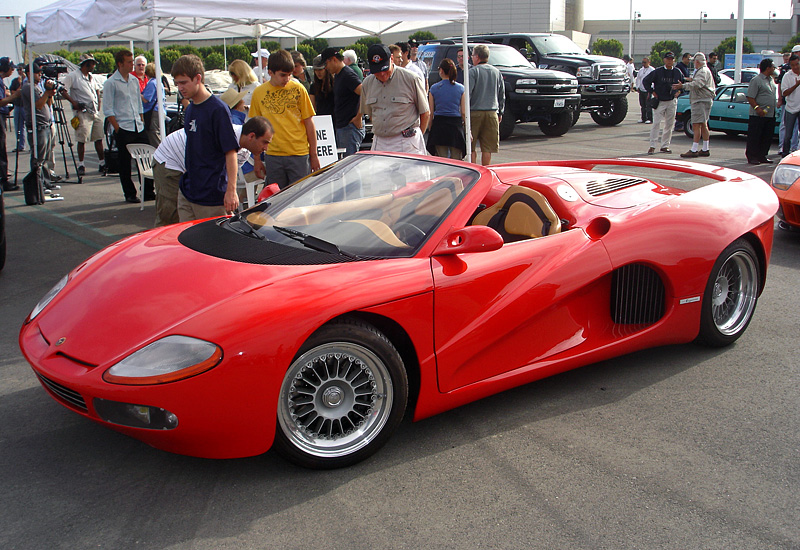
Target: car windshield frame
x=365 y=206
x=555 y=44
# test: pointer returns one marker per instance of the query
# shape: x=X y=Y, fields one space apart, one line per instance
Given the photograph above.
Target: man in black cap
x=347 y=118
x=659 y=84
x=6 y=70
x=395 y=100
x=41 y=124
x=81 y=89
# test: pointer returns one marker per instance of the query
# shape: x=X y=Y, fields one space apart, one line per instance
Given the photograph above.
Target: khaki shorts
x=90 y=128
x=701 y=111
x=486 y=129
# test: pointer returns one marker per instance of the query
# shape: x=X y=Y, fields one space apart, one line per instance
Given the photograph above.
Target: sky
x=593 y=9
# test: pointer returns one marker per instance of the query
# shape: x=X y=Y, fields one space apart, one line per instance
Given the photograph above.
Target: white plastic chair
x=142 y=153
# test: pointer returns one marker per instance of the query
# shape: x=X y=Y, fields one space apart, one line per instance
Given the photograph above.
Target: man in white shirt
x=644 y=95
x=169 y=163
x=261 y=59
x=83 y=91
x=791 y=103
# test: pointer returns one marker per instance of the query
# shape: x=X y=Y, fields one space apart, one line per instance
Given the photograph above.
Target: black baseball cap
x=327 y=53
x=669 y=55
x=378 y=56
x=6 y=64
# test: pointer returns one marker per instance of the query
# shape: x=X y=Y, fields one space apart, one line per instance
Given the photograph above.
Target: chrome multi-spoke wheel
x=341 y=398
x=731 y=295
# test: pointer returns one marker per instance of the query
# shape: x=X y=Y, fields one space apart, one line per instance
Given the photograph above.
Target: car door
x=723 y=110
x=498 y=311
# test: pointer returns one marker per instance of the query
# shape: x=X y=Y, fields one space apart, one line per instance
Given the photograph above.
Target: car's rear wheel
x=342 y=397
x=559 y=124
x=730 y=296
x=688 y=129
x=612 y=113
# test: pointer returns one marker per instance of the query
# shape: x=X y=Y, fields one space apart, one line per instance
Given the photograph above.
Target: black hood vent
x=600 y=187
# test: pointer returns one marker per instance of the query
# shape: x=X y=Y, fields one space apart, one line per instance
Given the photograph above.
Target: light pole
x=772 y=16
x=703 y=20
x=636 y=18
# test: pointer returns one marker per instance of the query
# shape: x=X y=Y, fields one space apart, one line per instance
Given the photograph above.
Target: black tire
x=730 y=297
x=507 y=126
x=576 y=114
x=559 y=124
x=612 y=113
x=688 y=129
x=342 y=397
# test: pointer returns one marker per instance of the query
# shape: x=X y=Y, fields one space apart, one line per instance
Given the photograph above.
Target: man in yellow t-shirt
x=292 y=153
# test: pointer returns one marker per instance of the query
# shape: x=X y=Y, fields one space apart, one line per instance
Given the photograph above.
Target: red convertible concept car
x=309 y=322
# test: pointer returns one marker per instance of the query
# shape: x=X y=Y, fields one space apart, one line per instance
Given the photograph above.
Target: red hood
x=137 y=289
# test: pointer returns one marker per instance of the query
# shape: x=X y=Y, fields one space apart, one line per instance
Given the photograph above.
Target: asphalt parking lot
x=677 y=447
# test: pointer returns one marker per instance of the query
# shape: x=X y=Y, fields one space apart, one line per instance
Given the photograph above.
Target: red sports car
x=784 y=182
x=310 y=321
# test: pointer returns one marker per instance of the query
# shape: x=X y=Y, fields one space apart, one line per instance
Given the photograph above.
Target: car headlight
x=584 y=71
x=526 y=81
x=784 y=176
x=167 y=360
x=573 y=82
x=47 y=298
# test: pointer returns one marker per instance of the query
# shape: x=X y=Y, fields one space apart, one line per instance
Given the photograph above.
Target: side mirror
x=470 y=239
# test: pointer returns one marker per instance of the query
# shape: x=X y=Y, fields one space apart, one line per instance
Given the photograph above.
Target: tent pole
x=225 y=51
x=34 y=147
x=162 y=111
x=258 y=46
x=467 y=122
x=134 y=55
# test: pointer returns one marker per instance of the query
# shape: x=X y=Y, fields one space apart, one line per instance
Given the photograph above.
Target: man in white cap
x=85 y=94
x=785 y=69
x=701 y=96
x=261 y=58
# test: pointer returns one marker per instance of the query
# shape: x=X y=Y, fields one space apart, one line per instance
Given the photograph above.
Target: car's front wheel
x=730 y=296
x=612 y=113
x=342 y=397
x=559 y=124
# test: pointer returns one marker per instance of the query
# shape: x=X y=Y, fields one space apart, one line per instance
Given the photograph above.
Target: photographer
x=44 y=137
x=81 y=89
x=6 y=70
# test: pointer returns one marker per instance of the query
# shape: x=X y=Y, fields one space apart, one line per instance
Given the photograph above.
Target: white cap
x=263 y=51
x=796 y=48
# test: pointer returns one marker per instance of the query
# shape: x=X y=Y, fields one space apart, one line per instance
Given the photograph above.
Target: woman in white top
x=244 y=79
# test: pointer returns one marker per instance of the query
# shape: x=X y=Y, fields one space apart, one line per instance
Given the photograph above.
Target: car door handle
x=731 y=106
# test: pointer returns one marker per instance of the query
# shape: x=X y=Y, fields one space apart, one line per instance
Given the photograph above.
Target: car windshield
x=366 y=205
x=506 y=56
x=555 y=44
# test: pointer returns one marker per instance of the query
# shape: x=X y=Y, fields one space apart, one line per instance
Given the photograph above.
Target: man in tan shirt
x=395 y=100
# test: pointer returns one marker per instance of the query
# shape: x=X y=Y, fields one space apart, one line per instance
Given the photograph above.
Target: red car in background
x=312 y=320
x=784 y=182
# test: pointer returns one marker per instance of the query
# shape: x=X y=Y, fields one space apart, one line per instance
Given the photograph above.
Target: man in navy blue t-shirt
x=346 y=102
x=208 y=187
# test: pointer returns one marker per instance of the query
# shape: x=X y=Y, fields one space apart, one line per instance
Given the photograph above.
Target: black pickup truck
x=604 y=85
x=548 y=97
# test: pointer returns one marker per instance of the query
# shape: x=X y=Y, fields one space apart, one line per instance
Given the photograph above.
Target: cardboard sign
x=326 y=140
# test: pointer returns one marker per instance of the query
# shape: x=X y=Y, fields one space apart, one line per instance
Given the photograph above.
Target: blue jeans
x=19 y=127
x=349 y=138
x=789 y=130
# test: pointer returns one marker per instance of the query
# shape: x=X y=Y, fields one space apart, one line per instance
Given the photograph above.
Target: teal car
x=729 y=113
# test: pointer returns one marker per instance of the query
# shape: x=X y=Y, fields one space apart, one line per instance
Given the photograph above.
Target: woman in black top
x=321 y=93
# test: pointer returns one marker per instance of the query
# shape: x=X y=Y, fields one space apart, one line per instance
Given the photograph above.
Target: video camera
x=51 y=69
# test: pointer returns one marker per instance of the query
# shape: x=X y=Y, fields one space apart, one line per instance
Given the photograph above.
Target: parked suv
x=603 y=81
x=548 y=97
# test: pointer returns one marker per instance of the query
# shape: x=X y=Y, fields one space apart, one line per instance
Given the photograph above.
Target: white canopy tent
x=155 y=20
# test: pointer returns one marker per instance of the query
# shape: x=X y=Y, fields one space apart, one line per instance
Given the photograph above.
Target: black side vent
x=66 y=395
x=601 y=187
x=637 y=295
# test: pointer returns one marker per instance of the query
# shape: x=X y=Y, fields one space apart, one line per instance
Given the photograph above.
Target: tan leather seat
x=521 y=213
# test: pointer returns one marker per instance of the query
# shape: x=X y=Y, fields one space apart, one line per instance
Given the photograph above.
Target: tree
x=660 y=48
x=729 y=46
x=105 y=62
x=612 y=47
x=316 y=44
x=168 y=57
x=214 y=60
x=238 y=51
x=369 y=40
x=793 y=41
x=309 y=53
x=422 y=36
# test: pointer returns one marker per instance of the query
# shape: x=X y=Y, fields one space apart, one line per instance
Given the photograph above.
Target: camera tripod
x=62 y=131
